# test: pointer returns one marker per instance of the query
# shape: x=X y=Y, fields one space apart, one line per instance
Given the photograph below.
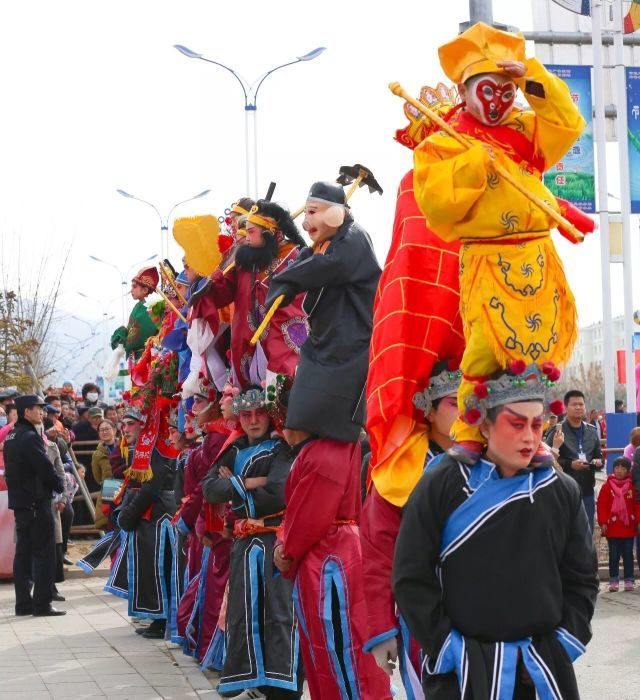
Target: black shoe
x=49 y=612
x=68 y=561
x=58 y=598
x=24 y=613
x=155 y=630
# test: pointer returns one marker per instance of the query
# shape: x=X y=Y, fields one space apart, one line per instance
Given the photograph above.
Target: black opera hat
x=328 y=192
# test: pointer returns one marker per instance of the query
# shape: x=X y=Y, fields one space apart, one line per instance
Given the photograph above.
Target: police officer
x=31 y=481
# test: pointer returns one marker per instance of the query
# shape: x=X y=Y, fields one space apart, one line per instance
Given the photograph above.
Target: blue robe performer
x=262 y=647
x=501 y=589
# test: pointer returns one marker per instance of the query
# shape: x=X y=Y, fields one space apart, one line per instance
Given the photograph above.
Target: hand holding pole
x=398 y=90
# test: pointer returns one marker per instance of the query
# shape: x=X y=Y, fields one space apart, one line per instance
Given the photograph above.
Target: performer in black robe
x=495 y=570
x=262 y=645
x=340 y=276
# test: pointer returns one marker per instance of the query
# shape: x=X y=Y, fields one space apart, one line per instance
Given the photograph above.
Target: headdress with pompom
x=519 y=383
x=443 y=382
x=248 y=400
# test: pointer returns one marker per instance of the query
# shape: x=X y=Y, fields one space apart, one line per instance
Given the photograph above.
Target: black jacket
x=569 y=451
x=274 y=462
x=529 y=569
x=327 y=396
x=157 y=493
x=30 y=474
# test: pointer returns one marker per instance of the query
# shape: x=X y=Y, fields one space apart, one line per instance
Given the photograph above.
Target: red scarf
x=514 y=144
x=619 y=488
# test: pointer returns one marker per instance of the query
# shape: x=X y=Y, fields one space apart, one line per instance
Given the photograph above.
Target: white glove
x=112 y=368
x=386 y=655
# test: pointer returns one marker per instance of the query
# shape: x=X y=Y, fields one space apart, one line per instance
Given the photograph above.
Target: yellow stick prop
x=171 y=304
x=398 y=90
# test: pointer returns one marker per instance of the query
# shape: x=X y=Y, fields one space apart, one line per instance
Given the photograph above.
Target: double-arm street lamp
x=250 y=92
x=124 y=277
x=164 y=222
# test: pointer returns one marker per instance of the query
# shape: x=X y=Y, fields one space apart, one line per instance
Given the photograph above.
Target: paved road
x=93 y=652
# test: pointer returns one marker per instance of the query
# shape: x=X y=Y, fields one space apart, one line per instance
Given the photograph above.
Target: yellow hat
x=198 y=237
x=479 y=50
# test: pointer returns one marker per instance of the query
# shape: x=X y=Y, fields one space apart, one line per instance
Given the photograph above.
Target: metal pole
x=603 y=207
x=255 y=151
x=625 y=205
x=105 y=346
x=123 y=281
x=481 y=11
x=247 y=191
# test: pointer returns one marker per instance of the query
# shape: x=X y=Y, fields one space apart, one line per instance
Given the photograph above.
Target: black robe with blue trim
x=521 y=567
x=261 y=639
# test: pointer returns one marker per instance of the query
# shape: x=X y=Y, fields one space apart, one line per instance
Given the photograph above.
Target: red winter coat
x=615 y=526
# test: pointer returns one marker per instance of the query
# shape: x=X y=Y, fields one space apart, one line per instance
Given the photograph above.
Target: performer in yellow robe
x=515 y=301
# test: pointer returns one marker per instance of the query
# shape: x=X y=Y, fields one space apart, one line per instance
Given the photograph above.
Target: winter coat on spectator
x=618 y=507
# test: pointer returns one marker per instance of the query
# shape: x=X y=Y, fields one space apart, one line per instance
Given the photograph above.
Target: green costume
x=139 y=329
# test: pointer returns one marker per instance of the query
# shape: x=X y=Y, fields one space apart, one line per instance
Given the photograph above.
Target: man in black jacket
x=580 y=455
x=31 y=481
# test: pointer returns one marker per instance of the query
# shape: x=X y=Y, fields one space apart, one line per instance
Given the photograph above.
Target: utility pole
x=625 y=203
x=481 y=11
x=603 y=205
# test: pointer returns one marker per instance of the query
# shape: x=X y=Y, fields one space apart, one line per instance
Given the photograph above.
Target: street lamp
x=124 y=277
x=250 y=92
x=164 y=223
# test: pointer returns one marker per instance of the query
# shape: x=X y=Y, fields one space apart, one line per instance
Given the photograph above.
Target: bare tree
x=590 y=381
x=27 y=312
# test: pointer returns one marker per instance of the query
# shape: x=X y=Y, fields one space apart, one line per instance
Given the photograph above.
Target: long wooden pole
x=171 y=304
x=398 y=90
x=170 y=279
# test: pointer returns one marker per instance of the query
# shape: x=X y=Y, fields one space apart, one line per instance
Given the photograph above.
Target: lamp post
x=250 y=92
x=164 y=223
x=124 y=277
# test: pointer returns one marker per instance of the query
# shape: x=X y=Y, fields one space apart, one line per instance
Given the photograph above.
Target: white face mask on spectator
x=93 y=396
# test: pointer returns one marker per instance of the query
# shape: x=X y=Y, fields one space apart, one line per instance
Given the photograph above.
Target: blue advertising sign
x=633 y=124
x=573 y=177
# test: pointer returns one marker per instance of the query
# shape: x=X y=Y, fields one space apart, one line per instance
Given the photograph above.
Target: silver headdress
x=519 y=383
x=442 y=384
x=248 y=400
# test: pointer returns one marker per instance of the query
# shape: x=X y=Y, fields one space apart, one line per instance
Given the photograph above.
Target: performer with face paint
x=340 y=276
x=501 y=590
x=271 y=243
x=514 y=298
x=389 y=636
x=262 y=647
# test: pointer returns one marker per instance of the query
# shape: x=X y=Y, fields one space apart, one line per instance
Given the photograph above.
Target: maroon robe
x=216 y=558
x=278 y=350
x=320 y=534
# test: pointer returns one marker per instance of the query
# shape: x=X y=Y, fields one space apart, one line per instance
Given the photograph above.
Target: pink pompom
x=481 y=391
x=473 y=416
x=556 y=407
x=517 y=366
